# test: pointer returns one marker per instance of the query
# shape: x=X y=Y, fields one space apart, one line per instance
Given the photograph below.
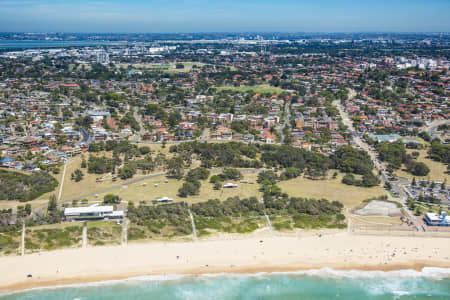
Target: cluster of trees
x=192 y=184
x=100 y=165
x=367 y=180
x=24 y=187
x=220 y=154
x=128 y=119
x=350 y=160
x=77 y=175
x=118 y=147
x=294 y=160
x=227 y=174
x=111 y=199
x=440 y=152
x=395 y=154
x=132 y=158
x=353 y=161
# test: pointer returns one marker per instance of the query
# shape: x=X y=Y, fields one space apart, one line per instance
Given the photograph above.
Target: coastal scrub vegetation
x=24 y=187
x=233 y=215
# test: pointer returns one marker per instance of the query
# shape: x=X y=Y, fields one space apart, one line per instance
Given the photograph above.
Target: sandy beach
x=238 y=255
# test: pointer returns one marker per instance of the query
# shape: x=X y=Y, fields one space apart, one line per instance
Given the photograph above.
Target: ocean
x=431 y=283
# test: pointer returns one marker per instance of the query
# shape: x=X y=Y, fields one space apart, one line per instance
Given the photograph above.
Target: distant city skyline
x=225 y=16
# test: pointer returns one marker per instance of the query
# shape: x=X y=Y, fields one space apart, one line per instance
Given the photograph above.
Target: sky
x=146 y=16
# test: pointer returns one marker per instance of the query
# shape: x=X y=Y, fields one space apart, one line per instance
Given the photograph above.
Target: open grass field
x=330 y=189
x=147 y=190
x=263 y=89
x=437 y=169
x=89 y=184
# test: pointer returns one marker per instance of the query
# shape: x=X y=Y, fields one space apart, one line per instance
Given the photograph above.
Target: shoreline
x=249 y=255
x=104 y=280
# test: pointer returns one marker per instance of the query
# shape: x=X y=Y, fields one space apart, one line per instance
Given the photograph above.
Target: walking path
x=62 y=181
x=84 y=234
x=270 y=224
x=22 y=246
x=193 y=224
x=124 y=232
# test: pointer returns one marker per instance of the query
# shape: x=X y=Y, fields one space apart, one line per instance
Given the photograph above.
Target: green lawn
x=330 y=189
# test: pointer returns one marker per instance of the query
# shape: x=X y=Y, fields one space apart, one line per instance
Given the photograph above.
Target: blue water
x=309 y=285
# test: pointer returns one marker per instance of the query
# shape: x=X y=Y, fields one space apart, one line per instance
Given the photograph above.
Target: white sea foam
x=430 y=273
x=427 y=272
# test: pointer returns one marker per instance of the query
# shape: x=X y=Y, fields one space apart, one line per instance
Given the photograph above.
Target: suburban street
x=397 y=185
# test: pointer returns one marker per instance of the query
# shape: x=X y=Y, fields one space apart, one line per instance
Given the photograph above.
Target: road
x=287 y=121
x=87 y=139
x=138 y=135
x=399 y=184
x=205 y=134
x=431 y=128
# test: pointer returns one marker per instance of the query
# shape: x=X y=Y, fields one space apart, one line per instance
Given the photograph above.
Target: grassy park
x=331 y=189
x=154 y=188
x=437 y=170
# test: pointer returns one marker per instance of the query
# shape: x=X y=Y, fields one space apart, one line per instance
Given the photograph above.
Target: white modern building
x=92 y=213
x=434 y=219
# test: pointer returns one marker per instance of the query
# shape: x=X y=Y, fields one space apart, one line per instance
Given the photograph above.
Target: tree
x=348 y=179
x=231 y=174
x=52 y=205
x=28 y=209
x=175 y=167
x=127 y=171
x=77 y=175
x=144 y=150
x=189 y=188
x=215 y=178
x=290 y=173
x=197 y=174
x=111 y=199
x=420 y=169
x=217 y=185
